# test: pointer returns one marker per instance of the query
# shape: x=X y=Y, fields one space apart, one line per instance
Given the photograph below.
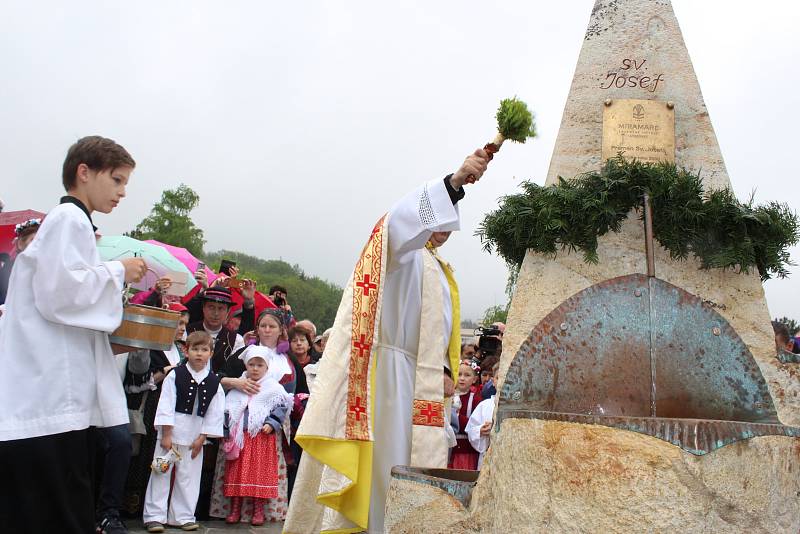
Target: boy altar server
x=190 y=409
x=59 y=375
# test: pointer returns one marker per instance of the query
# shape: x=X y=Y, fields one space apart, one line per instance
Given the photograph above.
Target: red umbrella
x=9 y=220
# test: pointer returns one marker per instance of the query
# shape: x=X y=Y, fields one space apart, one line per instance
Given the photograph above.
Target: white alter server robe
x=426 y=210
x=484 y=413
x=58 y=371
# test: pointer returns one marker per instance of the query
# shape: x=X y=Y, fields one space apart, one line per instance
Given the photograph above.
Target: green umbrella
x=159 y=260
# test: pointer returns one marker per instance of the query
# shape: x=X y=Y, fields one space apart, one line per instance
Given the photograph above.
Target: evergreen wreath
x=713 y=226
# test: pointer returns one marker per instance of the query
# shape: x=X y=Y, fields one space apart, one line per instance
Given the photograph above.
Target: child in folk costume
x=479 y=427
x=143 y=392
x=270 y=332
x=464 y=456
x=190 y=409
x=254 y=424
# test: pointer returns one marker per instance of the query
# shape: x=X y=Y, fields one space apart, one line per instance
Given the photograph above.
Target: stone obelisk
x=633 y=49
x=547 y=475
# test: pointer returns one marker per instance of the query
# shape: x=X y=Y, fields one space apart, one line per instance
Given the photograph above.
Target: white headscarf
x=270 y=395
x=278 y=363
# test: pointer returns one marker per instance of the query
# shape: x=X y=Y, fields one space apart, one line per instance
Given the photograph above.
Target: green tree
x=169 y=221
x=791 y=324
x=495 y=314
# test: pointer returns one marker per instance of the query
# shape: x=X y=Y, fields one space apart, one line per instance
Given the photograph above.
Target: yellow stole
x=454 y=347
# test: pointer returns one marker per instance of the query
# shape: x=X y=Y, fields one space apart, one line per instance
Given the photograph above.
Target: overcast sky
x=300 y=123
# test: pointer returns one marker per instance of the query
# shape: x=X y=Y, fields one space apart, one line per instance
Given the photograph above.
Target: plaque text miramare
x=641 y=129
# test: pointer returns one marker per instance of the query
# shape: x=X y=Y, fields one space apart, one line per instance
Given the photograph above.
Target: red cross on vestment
x=357 y=408
x=366 y=285
x=429 y=412
x=362 y=346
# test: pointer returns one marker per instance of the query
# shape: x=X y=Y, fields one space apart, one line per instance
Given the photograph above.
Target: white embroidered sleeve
x=425 y=210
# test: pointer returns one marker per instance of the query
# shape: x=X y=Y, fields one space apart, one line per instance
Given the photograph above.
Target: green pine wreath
x=713 y=226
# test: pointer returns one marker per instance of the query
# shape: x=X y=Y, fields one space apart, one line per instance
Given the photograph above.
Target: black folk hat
x=218 y=294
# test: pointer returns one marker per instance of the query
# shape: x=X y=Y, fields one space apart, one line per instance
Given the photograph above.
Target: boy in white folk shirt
x=59 y=375
x=190 y=409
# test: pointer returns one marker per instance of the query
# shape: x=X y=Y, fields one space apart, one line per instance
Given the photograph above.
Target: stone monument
x=677 y=415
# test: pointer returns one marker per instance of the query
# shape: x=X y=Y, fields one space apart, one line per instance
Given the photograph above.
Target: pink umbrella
x=185 y=257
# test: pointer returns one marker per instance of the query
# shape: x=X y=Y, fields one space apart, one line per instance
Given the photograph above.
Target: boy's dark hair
x=273 y=289
x=97 y=153
x=199 y=337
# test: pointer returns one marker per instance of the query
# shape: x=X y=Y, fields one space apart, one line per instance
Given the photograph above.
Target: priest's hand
x=475 y=165
x=449 y=386
x=267 y=429
x=135 y=269
x=197 y=445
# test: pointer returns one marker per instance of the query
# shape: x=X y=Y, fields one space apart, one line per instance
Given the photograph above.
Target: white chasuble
x=59 y=373
x=369 y=389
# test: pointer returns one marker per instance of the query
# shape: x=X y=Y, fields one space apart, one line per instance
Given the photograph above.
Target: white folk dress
x=59 y=373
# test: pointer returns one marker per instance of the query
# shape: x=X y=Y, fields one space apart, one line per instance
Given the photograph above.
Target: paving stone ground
x=213 y=527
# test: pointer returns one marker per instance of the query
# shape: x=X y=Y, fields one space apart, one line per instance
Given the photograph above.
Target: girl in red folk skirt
x=467 y=397
x=254 y=421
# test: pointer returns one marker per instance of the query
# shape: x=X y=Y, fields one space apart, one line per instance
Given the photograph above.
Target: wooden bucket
x=144 y=327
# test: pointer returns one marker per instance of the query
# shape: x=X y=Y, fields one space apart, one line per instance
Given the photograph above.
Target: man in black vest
x=217 y=303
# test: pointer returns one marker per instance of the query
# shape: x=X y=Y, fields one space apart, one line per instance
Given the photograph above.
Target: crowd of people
x=206 y=428
x=222 y=423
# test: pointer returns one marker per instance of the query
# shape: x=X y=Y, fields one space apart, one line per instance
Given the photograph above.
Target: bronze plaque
x=641 y=129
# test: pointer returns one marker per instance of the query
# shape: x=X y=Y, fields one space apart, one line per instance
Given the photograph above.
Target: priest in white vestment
x=379 y=397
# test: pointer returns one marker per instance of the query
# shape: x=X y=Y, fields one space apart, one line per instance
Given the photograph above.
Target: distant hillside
x=310 y=297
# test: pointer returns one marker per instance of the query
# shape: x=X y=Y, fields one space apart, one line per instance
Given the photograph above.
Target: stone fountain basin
x=545 y=475
x=457 y=482
x=697 y=436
